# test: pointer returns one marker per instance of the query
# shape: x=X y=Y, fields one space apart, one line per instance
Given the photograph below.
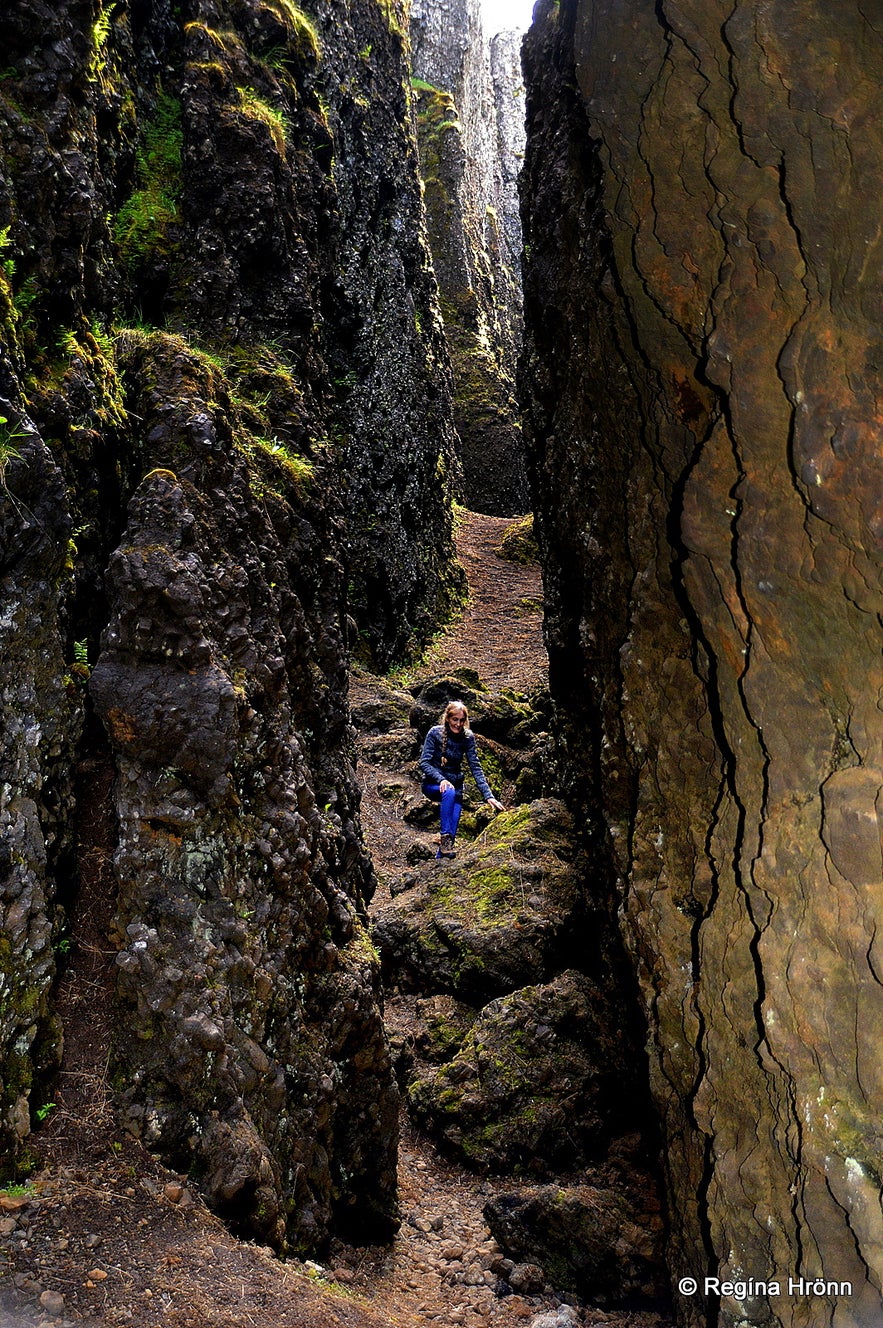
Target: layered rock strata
x=469 y=108
x=702 y=372
x=225 y=451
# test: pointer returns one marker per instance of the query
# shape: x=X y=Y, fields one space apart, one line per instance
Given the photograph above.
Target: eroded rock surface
x=538 y=1084
x=223 y=369
x=470 y=119
x=492 y=920
x=703 y=365
x=603 y=1240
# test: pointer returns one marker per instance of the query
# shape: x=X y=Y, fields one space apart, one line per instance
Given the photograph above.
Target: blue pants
x=451 y=805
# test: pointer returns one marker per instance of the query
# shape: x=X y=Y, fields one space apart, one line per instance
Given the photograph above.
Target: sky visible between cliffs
x=497 y=15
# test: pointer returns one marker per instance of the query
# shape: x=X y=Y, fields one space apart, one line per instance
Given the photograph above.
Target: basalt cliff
x=226 y=460
x=702 y=369
x=469 y=102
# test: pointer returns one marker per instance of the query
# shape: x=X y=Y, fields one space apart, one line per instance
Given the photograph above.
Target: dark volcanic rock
x=538 y=1084
x=218 y=310
x=598 y=1241
x=702 y=366
x=247 y=986
x=500 y=914
x=41 y=722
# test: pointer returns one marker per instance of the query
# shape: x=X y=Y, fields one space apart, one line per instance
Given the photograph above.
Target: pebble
x=23 y=1282
x=527 y=1277
x=173 y=1191
x=52 y=1302
x=7 y=1226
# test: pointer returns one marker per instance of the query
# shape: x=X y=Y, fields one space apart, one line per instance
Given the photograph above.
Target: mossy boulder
x=519 y=543
x=424 y=1032
x=536 y=1086
x=494 y=918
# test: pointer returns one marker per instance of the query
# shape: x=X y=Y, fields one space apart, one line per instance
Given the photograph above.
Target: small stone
x=452 y=1250
x=7 y=1226
x=436 y=1223
x=23 y=1282
x=52 y=1302
x=173 y=1191
x=11 y=1203
x=92 y=1241
x=97 y=1274
x=527 y=1278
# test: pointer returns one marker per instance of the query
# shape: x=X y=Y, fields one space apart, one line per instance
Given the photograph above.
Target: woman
x=447 y=743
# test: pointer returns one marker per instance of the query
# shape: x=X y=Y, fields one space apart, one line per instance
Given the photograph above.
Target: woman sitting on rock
x=447 y=743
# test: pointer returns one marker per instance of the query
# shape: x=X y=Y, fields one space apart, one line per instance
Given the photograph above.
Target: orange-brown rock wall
x=702 y=294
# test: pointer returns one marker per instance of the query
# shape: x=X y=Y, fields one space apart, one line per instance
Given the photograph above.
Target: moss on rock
x=494 y=917
x=537 y=1085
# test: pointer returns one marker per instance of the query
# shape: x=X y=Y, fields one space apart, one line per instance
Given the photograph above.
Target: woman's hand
x=444 y=786
x=496 y=804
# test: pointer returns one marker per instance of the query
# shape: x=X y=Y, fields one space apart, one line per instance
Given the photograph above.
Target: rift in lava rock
x=702 y=301
x=470 y=128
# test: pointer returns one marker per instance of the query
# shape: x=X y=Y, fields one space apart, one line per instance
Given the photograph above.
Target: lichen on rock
x=702 y=427
x=218 y=312
x=497 y=916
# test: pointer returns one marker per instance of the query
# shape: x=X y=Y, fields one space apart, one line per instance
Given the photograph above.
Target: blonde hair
x=443 y=721
x=456 y=705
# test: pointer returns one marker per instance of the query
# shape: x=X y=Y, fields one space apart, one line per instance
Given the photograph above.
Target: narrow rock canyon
x=269 y=320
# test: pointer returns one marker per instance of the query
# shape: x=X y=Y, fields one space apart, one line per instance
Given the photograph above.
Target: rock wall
x=226 y=451
x=471 y=133
x=702 y=372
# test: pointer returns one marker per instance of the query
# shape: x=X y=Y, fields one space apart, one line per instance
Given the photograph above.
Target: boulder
x=499 y=914
x=595 y=1241
x=537 y=1084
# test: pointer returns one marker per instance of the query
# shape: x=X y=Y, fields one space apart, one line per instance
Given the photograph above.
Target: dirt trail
x=501 y=632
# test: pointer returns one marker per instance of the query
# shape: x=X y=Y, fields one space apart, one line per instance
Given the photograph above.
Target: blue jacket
x=458 y=746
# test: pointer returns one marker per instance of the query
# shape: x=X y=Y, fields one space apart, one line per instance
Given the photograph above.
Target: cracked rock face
x=703 y=364
x=221 y=357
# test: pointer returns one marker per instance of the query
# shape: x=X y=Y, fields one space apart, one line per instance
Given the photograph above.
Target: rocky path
x=444 y=1267
x=501 y=633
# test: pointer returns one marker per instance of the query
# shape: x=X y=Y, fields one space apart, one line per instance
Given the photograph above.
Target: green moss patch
x=519 y=543
x=144 y=223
